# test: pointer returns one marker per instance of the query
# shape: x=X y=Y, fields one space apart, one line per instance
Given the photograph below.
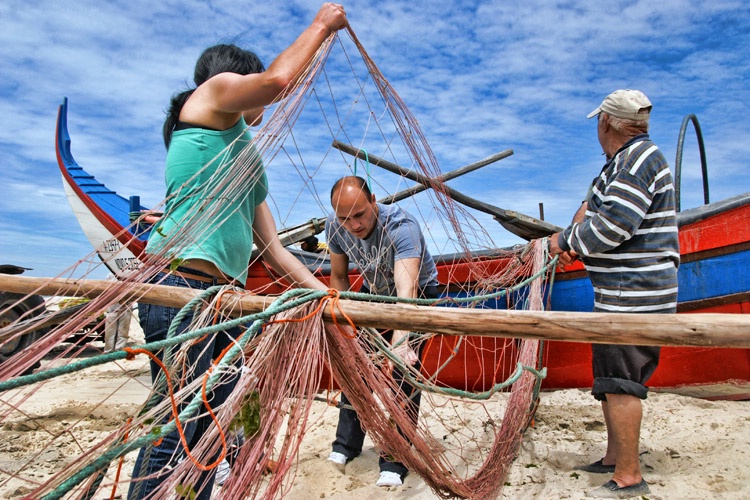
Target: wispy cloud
x=480 y=77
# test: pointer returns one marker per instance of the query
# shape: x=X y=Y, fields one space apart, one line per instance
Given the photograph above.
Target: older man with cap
x=626 y=235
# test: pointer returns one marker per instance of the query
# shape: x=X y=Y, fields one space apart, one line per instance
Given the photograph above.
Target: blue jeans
x=155 y=321
x=350 y=435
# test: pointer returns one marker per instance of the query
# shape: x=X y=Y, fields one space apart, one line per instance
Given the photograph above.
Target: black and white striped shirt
x=628 y=240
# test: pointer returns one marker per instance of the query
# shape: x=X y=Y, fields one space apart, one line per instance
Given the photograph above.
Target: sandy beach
x=691 y=448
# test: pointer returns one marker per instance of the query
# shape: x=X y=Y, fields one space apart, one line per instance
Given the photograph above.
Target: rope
x=113 y=495
x=288 y=300
x=367 y=168
x=284 y=302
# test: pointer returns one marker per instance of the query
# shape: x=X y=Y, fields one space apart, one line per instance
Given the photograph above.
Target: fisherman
x=386 y=244
x=626 y=235
x=117 y=326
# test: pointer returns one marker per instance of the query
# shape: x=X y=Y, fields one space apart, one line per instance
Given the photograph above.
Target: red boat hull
x=715 y=251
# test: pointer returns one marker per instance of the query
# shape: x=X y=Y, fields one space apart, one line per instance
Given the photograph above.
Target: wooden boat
x=713 y=277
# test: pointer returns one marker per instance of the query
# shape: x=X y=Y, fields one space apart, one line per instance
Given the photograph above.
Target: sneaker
x=338 y=460
x=388 y=478
x=222 y=472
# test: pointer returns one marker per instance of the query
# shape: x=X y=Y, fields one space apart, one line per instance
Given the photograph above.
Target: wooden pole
x=406 y=193
x=706 y=329
x=522 y=225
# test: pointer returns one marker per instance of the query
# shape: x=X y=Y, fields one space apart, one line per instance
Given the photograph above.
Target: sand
x=691 y=448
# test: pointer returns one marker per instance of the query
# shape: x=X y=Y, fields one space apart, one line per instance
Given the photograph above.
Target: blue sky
x=480 y=77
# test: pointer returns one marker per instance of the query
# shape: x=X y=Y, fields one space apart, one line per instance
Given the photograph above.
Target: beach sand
x=690 y=448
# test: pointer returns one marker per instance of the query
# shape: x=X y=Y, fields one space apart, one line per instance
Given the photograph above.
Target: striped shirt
x=628 y=238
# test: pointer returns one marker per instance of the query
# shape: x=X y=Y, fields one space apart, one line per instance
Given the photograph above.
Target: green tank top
x=198 y=163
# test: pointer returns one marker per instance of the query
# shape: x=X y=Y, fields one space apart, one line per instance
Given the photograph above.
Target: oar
x=446 y=177
x=522 y=225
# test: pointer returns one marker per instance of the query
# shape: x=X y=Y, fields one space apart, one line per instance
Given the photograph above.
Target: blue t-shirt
x=396 y=236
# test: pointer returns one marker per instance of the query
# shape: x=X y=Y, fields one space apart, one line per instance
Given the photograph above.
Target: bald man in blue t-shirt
x=387 y=246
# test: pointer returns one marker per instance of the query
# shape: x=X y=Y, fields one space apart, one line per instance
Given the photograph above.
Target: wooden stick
x=297 y=233
x=522 y=225
x=705 y=329
x=406 y=193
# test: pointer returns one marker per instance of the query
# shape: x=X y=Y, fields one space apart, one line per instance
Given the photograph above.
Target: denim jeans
x=155 y=321
x=350 y=435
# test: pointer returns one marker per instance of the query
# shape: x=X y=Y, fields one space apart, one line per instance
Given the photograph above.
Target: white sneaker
x=388 y=478
x=338 y=460
x=222 y=472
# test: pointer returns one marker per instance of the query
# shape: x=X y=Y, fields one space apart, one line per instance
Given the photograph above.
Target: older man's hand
x=554 y=247
x=567 y=257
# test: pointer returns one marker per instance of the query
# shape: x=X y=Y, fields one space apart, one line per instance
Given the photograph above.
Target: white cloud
x=479 y=77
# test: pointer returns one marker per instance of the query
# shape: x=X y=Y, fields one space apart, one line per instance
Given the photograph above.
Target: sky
x=479 y=76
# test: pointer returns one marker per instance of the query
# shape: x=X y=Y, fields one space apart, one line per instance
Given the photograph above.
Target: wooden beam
x=406 y=193
x=522 y=225
x=707 y=329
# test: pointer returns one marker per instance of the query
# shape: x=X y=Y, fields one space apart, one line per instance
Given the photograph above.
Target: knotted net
x=289 y=357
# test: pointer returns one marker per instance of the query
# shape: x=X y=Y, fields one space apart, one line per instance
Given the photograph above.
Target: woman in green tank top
x=232 y=89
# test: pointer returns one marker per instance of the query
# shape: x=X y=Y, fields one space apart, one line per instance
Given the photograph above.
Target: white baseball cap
x=627 y=104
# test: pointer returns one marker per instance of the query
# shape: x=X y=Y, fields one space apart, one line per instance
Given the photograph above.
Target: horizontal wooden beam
x=706 y=329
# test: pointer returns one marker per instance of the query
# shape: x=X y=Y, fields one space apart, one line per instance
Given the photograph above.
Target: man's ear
x=604 y=119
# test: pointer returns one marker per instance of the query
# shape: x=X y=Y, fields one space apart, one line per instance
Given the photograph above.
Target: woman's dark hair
x=222 y=58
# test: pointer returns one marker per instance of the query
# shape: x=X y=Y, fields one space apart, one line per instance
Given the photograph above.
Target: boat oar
x=522 y=225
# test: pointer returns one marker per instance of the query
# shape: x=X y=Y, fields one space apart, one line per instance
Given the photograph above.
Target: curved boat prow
x=62 y=137
x=104 y=216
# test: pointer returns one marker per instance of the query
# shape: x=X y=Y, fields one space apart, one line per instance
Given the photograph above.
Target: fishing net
x=300 y=348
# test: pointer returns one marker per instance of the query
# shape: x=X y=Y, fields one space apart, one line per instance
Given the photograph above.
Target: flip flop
x=597 y=468
x=611 y=489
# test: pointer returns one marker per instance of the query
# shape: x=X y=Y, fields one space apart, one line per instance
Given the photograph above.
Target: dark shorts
x=622 y=369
